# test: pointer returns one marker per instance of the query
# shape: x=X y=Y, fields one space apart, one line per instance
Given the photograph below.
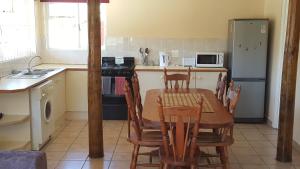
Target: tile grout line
x=116 y=145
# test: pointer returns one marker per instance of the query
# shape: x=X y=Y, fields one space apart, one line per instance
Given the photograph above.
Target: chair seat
x=148 y=124
x=213 y=139
x=148 y=138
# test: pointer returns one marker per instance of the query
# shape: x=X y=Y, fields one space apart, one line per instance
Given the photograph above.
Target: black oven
x=115 y=71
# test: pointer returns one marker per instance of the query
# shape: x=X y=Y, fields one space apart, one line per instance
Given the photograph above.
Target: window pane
x=83 y=26
x=63 y=26
x=67 y=25
x=17 y=30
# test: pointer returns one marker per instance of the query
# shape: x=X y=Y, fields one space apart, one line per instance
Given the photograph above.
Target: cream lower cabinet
x=154 y=80
x=76 y=91
x=207 y=80
x=150 y=80
x=59 y=101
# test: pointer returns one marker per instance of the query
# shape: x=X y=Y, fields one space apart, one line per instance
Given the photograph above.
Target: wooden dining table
x=214 y=114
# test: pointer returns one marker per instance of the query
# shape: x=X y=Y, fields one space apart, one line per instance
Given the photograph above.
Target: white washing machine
x=41 y=114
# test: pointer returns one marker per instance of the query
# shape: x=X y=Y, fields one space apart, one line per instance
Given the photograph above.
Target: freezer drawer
x=251 y=106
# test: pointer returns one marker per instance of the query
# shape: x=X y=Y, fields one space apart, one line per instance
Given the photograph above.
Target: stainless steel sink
x=34 y=74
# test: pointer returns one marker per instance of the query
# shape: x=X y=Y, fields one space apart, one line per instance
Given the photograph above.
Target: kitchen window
x=67 y=28
x=17 y=29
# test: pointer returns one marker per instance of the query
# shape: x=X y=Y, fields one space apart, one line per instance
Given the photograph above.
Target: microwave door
x=207 y=59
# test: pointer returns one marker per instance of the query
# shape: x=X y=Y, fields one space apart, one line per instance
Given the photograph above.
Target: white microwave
x=209 y=59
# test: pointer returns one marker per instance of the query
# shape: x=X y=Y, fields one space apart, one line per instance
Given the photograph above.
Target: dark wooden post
x=288 y=84
x=94 y=81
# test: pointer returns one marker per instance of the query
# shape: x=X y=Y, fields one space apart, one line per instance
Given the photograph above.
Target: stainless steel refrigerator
x=247 y=63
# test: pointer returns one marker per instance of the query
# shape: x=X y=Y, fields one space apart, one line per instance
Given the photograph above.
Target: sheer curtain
x=17 y=29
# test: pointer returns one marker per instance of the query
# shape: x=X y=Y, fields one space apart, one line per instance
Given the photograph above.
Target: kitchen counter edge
x=19 y=85
x=177 y=69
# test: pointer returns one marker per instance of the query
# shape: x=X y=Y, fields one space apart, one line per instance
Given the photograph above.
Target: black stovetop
x=110 y=68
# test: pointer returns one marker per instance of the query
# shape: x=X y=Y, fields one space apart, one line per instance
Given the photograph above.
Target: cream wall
x=273 y=11
x=178 y=18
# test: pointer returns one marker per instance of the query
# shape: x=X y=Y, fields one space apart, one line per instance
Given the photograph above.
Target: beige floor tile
x=268 y=131
x=254 y=147
x=254 y=136
x=241 y=144
x=244 y=126
x=243 y=151
x=124 y=148
x=83 y=135
x=297 y=166
x=269 y=160
x=67 y=134
x=119 y=165
x=78 y=123
x=81 y=141
x=271 y=136
x=282 y=166
x=70 y=164
x=261 y=144
x=109 y=147
x=56 y=156
x=121 y=156
x=81 y=147
x=107 y=156
x=51 y=164
x=255 y=166
x=265 y=151
x=123 y=141
x=239 y=137
x=96 y=164
x=57 y=147
x=249 y=159
x=235 y=166
x=75 y=156
x=63 y=140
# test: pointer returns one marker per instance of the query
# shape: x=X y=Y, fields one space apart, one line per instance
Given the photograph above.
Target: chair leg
x=224 y=157
x=161 y=166
x=134 y=157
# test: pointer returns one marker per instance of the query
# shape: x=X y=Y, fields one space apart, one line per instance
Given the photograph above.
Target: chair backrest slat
x=137 y=97
x=221 y=87
x=179 y=117
x=173 y=80
x=132 y=115
x=233 y=96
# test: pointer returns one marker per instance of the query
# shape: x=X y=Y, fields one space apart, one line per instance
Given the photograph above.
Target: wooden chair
x=174 y=79
x=175 y=153
x=144 y=123
x=221 y=87
x=138 y=137
x=232 y=98
x=223 y=137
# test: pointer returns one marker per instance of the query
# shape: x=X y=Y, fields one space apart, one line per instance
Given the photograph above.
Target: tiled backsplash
x=18 y=64
x=129 y=46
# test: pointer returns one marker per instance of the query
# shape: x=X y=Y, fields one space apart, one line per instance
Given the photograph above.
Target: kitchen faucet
x=29 y=63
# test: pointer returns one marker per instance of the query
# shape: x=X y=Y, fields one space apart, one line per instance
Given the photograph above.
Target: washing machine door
x=47 y=111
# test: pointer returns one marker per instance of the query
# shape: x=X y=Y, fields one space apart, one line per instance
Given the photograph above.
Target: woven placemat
x=186 y=99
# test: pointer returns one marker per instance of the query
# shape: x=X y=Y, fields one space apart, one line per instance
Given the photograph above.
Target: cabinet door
x=207 y=80
x=150 y=80
x=59 y=94
x=76 y=91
